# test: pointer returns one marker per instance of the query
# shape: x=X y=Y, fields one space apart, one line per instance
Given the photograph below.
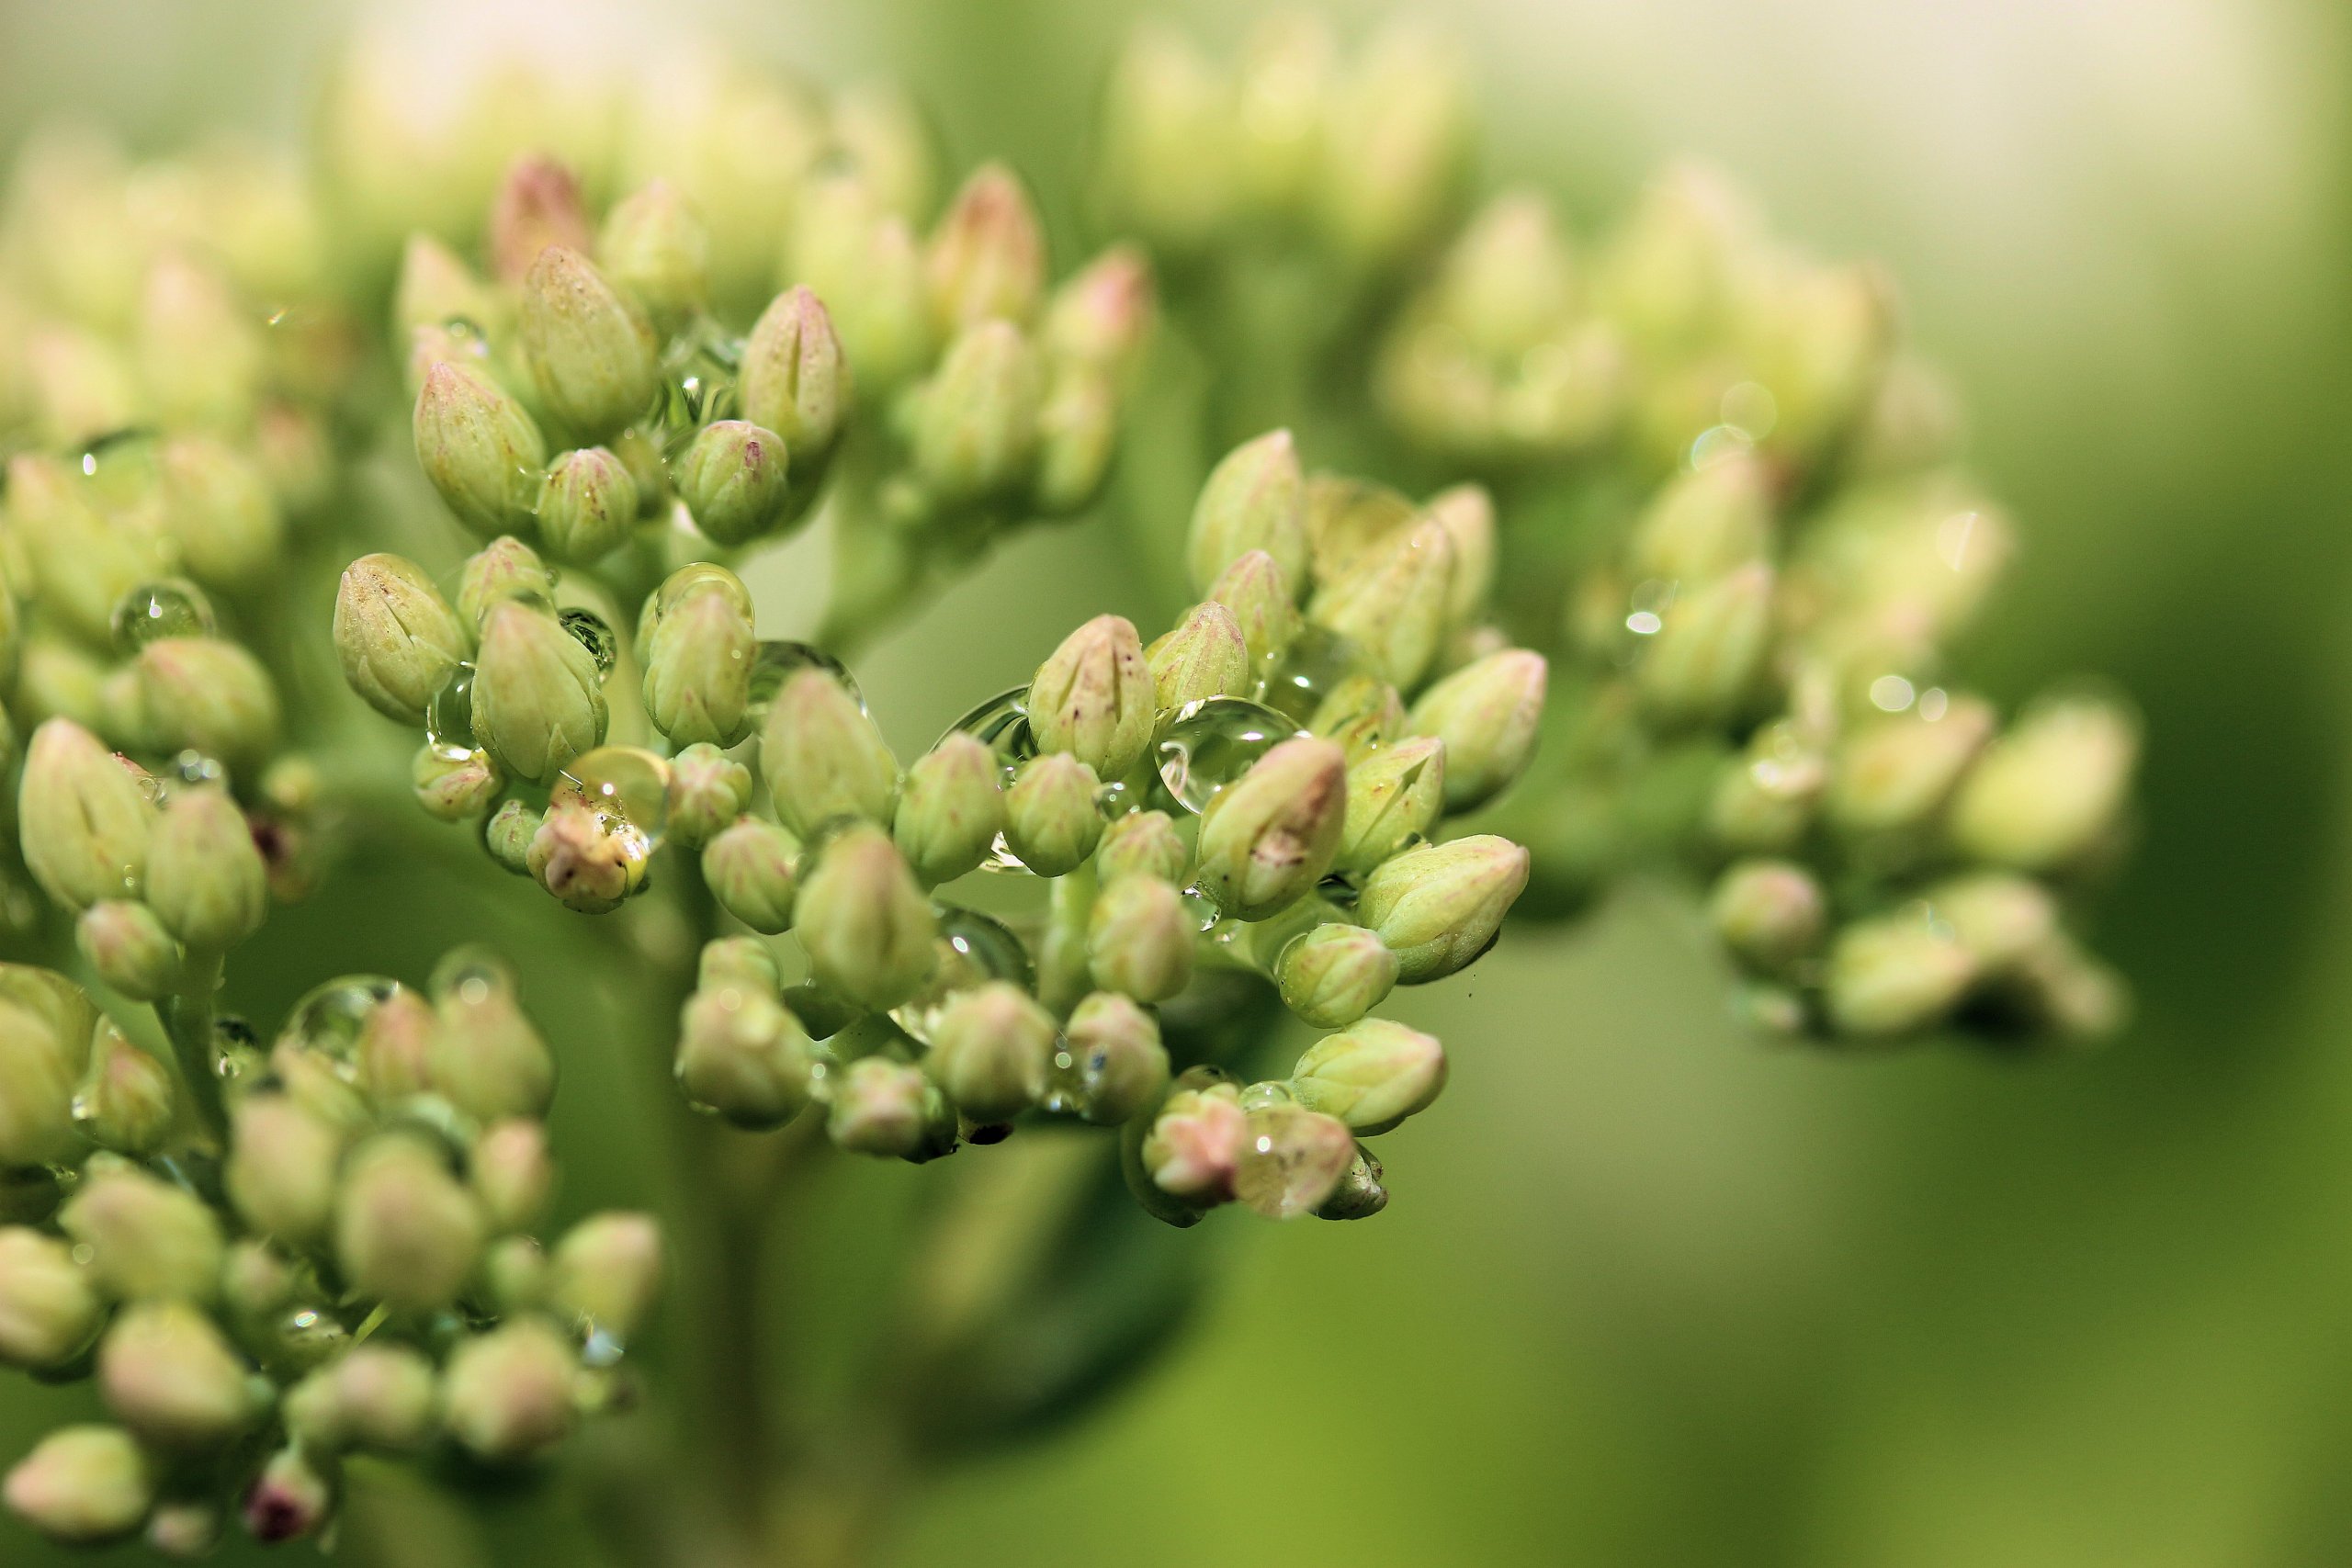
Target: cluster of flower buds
x=270 y=1258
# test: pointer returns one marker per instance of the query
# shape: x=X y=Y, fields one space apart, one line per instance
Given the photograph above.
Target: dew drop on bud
x=153 y=611
x=589 y=629
x=776 y=660
x=972 y=948
x=1209 y=744
x=626 y=786
x=1317 y=661
x=1001 y=723
x=331 y=1018
x=1292 y=1159
x=697 y=387
x=449 y=717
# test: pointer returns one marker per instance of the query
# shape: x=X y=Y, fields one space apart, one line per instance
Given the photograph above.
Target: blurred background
x=1652 y=1293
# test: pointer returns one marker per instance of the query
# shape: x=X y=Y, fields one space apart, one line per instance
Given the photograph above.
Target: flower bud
x=1391 y=601
x=1771 y=913
x=1703 y=661
x=657 y=249
x=1271 y=835
x=1895 y=773
x=951 y=810
x=1078 y=433
x=129 y=949
x=990 y=1049
x=405 y=1233
x=84 y=823
x=864 y=264
x=1255 y=500
x=592 y=354
x=512 y=1174
x=1705 y=525
x=744 y=1055
x=1139 y=939
x=1361 y=714
x=1372 y=1076
x=503 y=568
x=292 y=1499
x=753 y=870
x=1102 y=315
x=1115 y=1058
x=486 y=1059
x=1093 y=697
x=1204 y=657
x=1894 y=975
x=1359 y=1194
x=478 y=447
x=1401 y=113
x=740 y=961
x=203 y=695
x=454 y=785
x=1439 y=907
x=376 y=1396
x=607 y=1270
x=48 y=1310
x=515 y=1274
x=205 y=879
x=735 y=478
x=587 y=505
x=986 y=258
x=975 y=425
x=794 y=380
x=539 y=699
x=2050 y=788
x=509 y=832
x=1394 y=795
x=1334 y=974
x=169 y=1376
x=823 y=757
x=589 y=861
x=708 y=790
x=1488 y=714
x=1292 y=1159
x=1194 y=1146
x=1262 y=596
x=436 y=285
x=1051 y=823
x=398 y=639
x=881 y=1106
x=184 y=1530
x=126 y=1102
x=1143 y=843
x=538 y=205
x=83 y=1486
x=199 y=352
x=220 y=512
x=698 y=669
x=146 y=1240
x=866 y=926
x=2003 y=921
x=507 y=1394
x=81 y=564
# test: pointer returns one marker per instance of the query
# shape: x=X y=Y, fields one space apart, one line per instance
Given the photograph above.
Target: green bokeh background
x=1652 y=1292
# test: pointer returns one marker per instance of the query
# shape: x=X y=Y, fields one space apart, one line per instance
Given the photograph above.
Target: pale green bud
x=1093 y=697
x=509 y=832
x=507 y=1394
x=503 y=568
x=2002 y=919
x=1704 y=660
x=587 y=505
x=823 y=757
x=454 y=787
x=58 y=678
x=82 y=386
x=1349 y=519
x=220 y=512
x=1193 y=1148
x=184 y=1530
x=1204 y=657
x=1771 y=913
x=657 y=249
x=85 y=821
x=986 y=258
x=169 y=1376
x=1255 y=500
x=735 y=478
x=606 y=1270
x=376 y=1395
x=204 y=694
x=738 y=961
x=1507 y=283
x=1139 y=939
x=435 y=287
x=1402 y=113
x=1395 y=797
x=2050 y=788
x=1051 y=821
x=1142 y=843
x=881 y=1106
x=1359 y=1194
x=1263 y=597
x=511 y=1173
x=865 y=265
x=538 y=205
x=951 y=810
x=486 y=1059
x=1269 y=837
x=146 y=1240
x=1764 y=801
x=1391 y=602
x=1292 y=1159
x=1468 y=515
x=1361 y=714
x=795 y=379
x=1895 y=773
x=708 y=790
x=865 y=924
x=592 y=352
x=1116 y=1059
x=975 y=421
x=539 y=699
x=1894 y=975
x=199 y=352
x=478 y=447
x=1372 y=1076
x=315 y=1081
x=990 y=1049
x=48 y=1310
x=406 y=1232
x=1334 y=974
x=1488 y=714
x=397 y=637
x=1439 y=907
x=744 y=1055
x=84 y=1486
x=280 y=1172
x=698 y=669
x=205 y=879
x=129 y=949
x=256 y=1280
x=515 y=1274
x=2061 y=987
x=126 y=1102
x=1705 y=525
x=1102 y=315
x=1077 y=431
x=752 y=869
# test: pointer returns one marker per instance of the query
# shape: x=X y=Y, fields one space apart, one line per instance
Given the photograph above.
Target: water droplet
x=1317 y=661
x=164 y=608
x=589 y=629
x=972 y=948
x=1209 y=744
x=776 y=660
x=331 y=1018
x=1292 y=1159
x=697 y=387
x=311 y=1336
x=472 y=974
x=599 y=1345
x=1001 y=724
x=449 y=717
x=193 y=767
x=626 y=786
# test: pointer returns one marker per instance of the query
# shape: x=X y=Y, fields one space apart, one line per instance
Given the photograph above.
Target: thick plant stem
x=188 y=1020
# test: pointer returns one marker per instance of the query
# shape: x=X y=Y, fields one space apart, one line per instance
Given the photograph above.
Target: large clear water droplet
x=777 y=660
x=972 y=948
x=626 y=786
x=697 y=387
x=167 y=607
x=1317 y=661
x=330 y=1019
x=472 y=974
x=1209 y=744
x=1292 y=1159
x=590 y=630
x=449 y=717
x=1001 y=723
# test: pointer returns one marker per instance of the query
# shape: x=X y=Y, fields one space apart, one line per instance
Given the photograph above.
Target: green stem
x=186 y=1017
